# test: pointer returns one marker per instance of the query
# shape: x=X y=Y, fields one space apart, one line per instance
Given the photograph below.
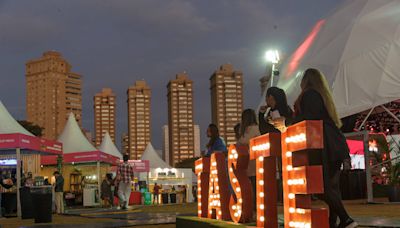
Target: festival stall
x=138 y=166
x=20 y=153
x=176 y=183
x=83 y=166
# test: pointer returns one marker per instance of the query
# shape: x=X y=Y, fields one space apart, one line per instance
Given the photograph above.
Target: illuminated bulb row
x=214 y=172
x=296 y=138
x=291 y=196
x=295 y=181
x=261 y=182
x=199 y=212
x=299 y=224
x=214 y=164
x=261 y=170
x=261 y=158
x=238 y=189
x=288 y=154
x=260 y=147
x=289 y=168
x=200 y=166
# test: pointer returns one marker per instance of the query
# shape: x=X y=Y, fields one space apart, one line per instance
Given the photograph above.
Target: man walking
x=124 y=176
x=59 y=192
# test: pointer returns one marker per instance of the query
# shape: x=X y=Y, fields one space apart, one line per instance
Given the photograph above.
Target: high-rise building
x=180 y=119
x=165 y=148
x=52 y=92
x=104 y=114
x=197 y=147
x=226 y=100
x=125 y=143
x=139 y=96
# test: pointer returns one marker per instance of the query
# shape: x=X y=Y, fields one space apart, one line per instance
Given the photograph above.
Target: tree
x=32 y=128
x=187 y=163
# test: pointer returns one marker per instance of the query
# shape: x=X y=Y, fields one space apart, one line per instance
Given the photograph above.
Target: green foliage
x=32 y=128
x=393 y=169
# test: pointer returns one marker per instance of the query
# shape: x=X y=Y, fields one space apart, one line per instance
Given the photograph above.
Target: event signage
x=301 y=178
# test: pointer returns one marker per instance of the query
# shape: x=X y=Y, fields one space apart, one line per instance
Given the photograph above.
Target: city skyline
x=118 y=43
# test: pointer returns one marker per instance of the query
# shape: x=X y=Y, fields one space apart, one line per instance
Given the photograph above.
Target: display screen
x=8 y=161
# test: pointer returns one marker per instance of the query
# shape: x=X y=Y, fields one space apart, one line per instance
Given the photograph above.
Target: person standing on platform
x=315 y=102
x=216 y=143
x=156 y=192
x=125 y=176
x=59 y=192
x=248 y=130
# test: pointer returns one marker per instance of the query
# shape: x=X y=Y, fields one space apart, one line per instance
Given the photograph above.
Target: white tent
x=357 y=47
x=73 y=139
x=109 y=147
x=153 y=157
x=8 y=125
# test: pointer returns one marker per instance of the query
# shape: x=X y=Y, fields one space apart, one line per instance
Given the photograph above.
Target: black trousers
x=332 y=195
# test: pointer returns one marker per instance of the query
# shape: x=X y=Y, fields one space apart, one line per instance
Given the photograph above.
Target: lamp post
x=272 y=56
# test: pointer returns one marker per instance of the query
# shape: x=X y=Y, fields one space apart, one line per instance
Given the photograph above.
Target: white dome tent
x=164 y=174
x=78 y=150
x=357 y=48
x=109 y=147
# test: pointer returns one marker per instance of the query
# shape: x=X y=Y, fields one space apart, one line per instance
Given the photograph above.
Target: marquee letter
x=300 y=178
x=265 y=149
x=218 y=197
x=202 y=169
x=241 y=208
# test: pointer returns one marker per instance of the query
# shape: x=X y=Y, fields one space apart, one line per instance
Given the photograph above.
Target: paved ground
x=367 y=215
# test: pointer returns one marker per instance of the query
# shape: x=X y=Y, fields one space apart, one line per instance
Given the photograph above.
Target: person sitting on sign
x=216 y=143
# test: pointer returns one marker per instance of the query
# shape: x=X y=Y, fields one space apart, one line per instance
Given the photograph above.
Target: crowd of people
x=315 y=102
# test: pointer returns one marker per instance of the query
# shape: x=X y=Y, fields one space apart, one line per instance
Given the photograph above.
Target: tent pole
x=390 y=113
x=18 y=152
x=98 y=181
x=365 y=120
x=370 y=198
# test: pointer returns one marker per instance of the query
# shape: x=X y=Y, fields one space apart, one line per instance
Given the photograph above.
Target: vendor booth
x=19 y=156
x=176 y=184
x=138 y=166
x=83 y=166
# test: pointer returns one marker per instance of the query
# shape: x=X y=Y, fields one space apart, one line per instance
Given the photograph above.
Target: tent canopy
x=109 y=147
x=8 y=124
x=13 y=135
x=73 y=139
x=357 y=48
x=155 y=159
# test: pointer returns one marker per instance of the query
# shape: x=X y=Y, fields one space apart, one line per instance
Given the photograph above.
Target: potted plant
x=391 y=164
x=394 y=182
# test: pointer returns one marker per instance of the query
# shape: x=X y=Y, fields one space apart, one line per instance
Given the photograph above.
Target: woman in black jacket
x=279 y=109
x=316 y=103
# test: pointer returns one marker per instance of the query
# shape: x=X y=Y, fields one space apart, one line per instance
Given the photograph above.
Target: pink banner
x=92 y=156
x=139 y=166
x=12 y=141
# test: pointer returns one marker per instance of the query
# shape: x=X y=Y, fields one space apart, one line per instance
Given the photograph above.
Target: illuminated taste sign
x=300 y=179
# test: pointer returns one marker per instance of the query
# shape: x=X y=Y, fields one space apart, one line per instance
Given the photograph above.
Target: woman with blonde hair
x=316 y=103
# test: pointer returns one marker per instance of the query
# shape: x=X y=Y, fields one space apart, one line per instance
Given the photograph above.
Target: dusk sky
x=114 y=43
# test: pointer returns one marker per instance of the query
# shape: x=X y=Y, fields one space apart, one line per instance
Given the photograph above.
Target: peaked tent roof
x=153 y=157
x=357 y=48
x=109 y=147
x=8 y=124
x=73 y=139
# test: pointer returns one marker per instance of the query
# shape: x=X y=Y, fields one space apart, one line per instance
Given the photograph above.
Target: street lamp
x=272 y=56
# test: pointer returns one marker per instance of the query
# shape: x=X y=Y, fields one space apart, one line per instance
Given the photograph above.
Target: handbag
x=335 y=143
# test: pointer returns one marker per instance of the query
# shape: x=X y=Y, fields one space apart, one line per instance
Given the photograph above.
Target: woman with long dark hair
x=316 y=103
x=248 y=130
x=279 y=110
x=216 y=143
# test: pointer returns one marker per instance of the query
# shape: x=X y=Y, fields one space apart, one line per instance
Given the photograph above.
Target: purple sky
x=114 y=43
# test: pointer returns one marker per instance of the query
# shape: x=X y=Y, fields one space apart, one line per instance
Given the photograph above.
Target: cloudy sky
x=113 y=43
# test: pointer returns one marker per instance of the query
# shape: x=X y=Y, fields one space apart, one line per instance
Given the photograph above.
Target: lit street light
x=272 y=56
